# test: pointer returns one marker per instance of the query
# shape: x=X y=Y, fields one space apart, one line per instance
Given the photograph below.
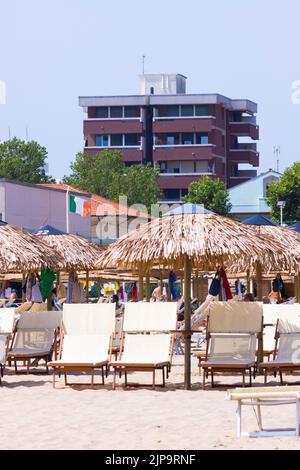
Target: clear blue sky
x=52 y=51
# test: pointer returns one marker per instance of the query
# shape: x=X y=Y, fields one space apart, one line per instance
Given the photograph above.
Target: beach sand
x=36 y=416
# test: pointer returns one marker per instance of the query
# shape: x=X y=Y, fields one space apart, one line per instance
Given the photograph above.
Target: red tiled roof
x=100 y=205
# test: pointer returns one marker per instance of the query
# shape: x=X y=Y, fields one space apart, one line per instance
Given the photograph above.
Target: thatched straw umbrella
x=23 y=252
x=77 y=253
x=202 y=241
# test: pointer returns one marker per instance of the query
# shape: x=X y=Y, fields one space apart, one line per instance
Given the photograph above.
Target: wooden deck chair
x=86 y=339
x=147 y=339
x=268 y=396
x=233 y=329
x=287 y=347
x=35 y=338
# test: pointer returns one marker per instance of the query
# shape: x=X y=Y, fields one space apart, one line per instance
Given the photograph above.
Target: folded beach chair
x=34 y=338
x=232 y=332
x=268 y=396
x=86 y=339
x=287 y=347
x=7 y=320
x=147 y=339
x=3 y=353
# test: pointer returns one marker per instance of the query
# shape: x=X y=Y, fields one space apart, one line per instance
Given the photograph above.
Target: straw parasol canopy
x=202 y=241
x=209 y=240
x=23 y=252
x=77 y=253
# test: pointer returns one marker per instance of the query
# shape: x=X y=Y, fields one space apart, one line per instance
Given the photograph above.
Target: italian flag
x=80 y=206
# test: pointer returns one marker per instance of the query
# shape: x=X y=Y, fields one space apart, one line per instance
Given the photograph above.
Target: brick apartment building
x=186 y=135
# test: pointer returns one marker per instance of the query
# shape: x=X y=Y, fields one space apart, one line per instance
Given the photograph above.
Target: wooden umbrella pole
x=248 y=281
x=23 y=292
x=87 y=280
x=259 y=281
x=148 y=288
x=187 y=322
x=141 y=287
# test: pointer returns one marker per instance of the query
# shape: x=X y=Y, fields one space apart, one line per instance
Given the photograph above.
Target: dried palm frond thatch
x=208 y=240
x=76 y=253
x=22 y=251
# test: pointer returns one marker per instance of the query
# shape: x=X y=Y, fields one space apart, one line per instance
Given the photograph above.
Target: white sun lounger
x=86 y=339
x=147 y=339
x=34 y=338
x=287 y=349
x=271 y=396
x=7 y=320
x=3 y=353
x=232 y=333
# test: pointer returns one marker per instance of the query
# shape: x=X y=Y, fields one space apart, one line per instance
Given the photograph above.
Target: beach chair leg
x=167 y=372
x=114 y=379
x=259 y=417
x=266 y=376
x=297 y=417
x=281 y=378
x=125 y=373
x=16 y=369
x=28 y=364
x=107 y=370
x=212 y=379
x=203 y=380
x=65 y=376
x=53 y=378
x=153 y=378
x=250 y=377
x=239 y=419
x=163 y=375
x=102 y=370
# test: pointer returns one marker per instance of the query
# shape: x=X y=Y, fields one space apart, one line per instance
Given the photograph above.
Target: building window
x=102 y=140
x=168 y=111
x=187 y=110
x=187 y=138
x=116 y=140
x=201 y=139
x=101 y=112
x=184 y=192
x=223 y=114
x=132 y=140
x=172 y=194
x=116 y=112
x=132 y=112
x=201 y=110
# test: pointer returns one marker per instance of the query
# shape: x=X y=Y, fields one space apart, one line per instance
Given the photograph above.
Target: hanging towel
x=36 y=295
x=227 y=294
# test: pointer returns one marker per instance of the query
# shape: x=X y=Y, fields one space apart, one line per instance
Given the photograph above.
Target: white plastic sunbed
x=3 y=351
x=34 y=338
x=271 y=396
x=7 y=320
x=147 y=339
x=86 y=339
x=232 y=333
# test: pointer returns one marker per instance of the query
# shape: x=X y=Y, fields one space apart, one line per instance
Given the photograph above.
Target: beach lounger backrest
x=35 y=330
x=3 y=340
x=7 y=320
x=150 y=316
x=89 y=319
x=289 y=348
x=151 y=349
x=85 y=348
x=229 y=347
x=288 y=323
x=273 y=312
x=39 y=320
x=235 y=317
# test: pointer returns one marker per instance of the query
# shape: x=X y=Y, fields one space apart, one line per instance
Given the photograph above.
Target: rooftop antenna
x=277 y=153
x=144 y=57
x=26 y=134
x=9 y=133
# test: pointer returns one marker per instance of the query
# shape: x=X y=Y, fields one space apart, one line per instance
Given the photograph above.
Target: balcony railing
x=245 y=120
x=245 y=147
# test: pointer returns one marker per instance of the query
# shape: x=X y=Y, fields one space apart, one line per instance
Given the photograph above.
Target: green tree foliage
x=23 y=161
x=286 y=189
x=96 y=173
x=212 y=193
x=106 y=175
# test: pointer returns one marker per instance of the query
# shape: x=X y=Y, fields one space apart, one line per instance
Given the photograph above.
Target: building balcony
x=179 y=180
x=106 y=127
x=244 y=156
x=129 y=154
x=172 y=125
x=244 y=129
x=183 y=152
